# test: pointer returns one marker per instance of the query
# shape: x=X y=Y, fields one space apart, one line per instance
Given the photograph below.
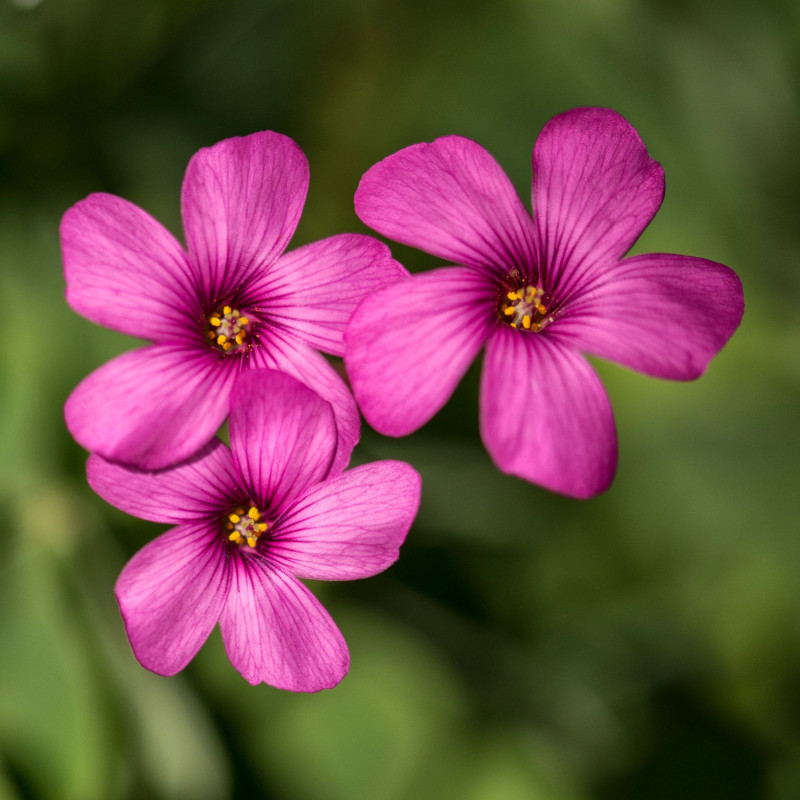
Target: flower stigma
x=523 y=309
x=245 y=527
x=228 y=330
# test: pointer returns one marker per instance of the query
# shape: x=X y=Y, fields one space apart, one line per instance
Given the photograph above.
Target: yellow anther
x=222 y=338
x=226 y=310
x=524 y=308
x=244 y=321
x=240 y=337
x=227 y=346
x=245 y=526
x=215 y=321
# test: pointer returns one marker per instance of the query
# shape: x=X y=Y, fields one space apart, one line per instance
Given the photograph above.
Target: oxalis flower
x=249 y=521
x=537 y=291
x=231 y=301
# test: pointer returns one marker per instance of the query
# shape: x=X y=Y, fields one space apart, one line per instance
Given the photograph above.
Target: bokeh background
x=643 y=645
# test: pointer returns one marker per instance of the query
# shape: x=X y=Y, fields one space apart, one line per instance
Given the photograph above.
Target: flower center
x=228 y=329
x=523 y=308
x=245 y=527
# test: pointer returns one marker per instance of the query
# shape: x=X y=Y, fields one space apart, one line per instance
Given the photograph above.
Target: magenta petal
x=282 y=351
x=241 y=201
x=151 y=407
x=202 y=487
x=545 y=416
x=408 y=345
x=351 y=526
x=125 y=271
x=664 y=315
x=275 y=631
x=452 y=199
x=595 y=189
x=171 y=594
x=315 y=289
x=283 y=437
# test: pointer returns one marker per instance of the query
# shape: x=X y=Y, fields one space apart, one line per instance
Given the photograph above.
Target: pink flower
x=538 y=292
x=231 y=301
x=248 y=522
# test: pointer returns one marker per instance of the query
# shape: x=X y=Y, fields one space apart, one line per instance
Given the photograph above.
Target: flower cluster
x=235 y=325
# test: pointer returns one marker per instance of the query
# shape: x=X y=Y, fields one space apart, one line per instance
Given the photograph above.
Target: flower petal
x=151 y=407
x=241 y=201
x=545 y=416
x=452 y=199
x=275 y=631
x=200 y=488
x=664 y=315
x=171 y=594
x=282 y=351
x=314 y=290
x=127 y=272
x=409 y=344
x=595 y=189
x=349 y=527
x=283 y=437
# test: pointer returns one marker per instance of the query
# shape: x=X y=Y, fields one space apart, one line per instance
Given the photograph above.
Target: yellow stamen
x=244 y=321
x=524 y=308
x=240 y=337
x=222 y=338
x=227 y=346
x=245 y=526
x=215 y=321
x=226 y=310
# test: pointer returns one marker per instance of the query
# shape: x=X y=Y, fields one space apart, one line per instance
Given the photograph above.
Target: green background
x=645 y=644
